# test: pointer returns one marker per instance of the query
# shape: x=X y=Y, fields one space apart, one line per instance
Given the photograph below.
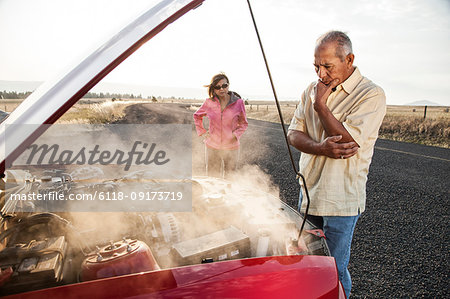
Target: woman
x=227 y=122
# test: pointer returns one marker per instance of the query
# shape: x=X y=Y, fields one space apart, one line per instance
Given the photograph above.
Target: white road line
x=409 y=153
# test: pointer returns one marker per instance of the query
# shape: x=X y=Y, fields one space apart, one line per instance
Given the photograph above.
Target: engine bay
x=228 y=221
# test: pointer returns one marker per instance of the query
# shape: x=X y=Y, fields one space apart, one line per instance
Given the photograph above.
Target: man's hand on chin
x=323 y=91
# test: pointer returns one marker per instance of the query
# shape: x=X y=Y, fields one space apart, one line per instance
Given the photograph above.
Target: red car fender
x=266 y=277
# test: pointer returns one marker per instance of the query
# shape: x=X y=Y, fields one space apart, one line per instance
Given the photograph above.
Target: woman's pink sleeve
x=242 y=122
x=198 y=119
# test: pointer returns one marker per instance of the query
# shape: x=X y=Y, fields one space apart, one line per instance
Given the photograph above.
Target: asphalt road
x=401 y=243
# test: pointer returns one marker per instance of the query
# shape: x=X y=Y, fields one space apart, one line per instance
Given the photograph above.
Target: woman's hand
x=205 y=136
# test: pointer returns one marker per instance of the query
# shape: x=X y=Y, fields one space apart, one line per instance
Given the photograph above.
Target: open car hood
x=250 y=274
x=52 y=99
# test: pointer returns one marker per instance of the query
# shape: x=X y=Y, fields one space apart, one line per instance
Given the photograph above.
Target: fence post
x=425 y=112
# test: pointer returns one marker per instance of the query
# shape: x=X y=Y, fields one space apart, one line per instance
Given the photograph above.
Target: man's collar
x=350 y=84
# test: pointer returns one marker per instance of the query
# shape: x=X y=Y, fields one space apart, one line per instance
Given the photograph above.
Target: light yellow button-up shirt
x=337 y=187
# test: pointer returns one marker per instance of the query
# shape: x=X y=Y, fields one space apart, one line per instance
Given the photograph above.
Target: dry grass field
x=86 y=111
x=402 y=123
x=408 y=124
x=94 y=113
x=9 y=105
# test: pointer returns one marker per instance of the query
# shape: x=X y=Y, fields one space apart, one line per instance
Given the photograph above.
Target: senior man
x=335 y=127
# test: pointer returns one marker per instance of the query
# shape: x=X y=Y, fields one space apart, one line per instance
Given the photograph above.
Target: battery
x=36 y=264
x=226 y=244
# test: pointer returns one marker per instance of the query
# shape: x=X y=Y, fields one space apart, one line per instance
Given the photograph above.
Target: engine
x=228 y=221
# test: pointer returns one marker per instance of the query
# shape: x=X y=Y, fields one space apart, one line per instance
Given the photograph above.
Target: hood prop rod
x=297 y=173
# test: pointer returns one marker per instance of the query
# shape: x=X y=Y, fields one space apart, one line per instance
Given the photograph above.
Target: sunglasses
x=218 y=87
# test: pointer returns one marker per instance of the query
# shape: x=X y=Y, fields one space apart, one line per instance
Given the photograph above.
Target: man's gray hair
x=344 y=43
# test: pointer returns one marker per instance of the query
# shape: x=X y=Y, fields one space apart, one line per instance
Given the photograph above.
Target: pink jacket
x=225 y=127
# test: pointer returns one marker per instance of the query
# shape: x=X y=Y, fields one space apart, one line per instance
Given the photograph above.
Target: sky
x=402 y=45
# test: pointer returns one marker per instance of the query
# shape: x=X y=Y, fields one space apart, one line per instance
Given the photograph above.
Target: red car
x=236 y=242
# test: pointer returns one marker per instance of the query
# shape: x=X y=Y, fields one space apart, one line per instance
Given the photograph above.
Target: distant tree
x=14 y=95
x=93 y=95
